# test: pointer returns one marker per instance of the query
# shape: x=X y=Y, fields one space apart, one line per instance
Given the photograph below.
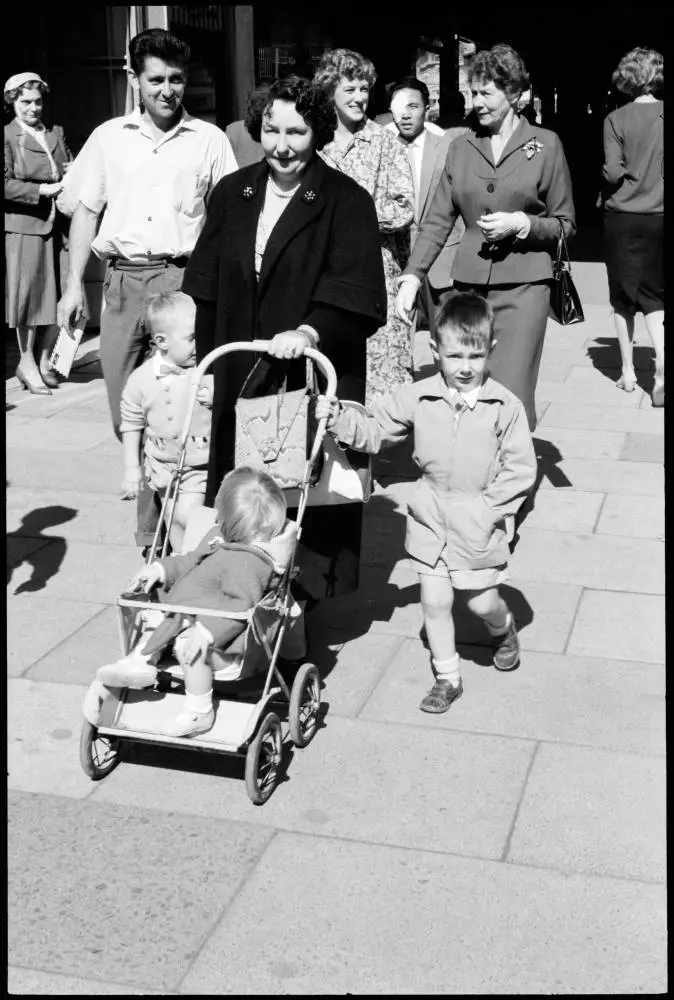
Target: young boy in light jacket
x=473 y=446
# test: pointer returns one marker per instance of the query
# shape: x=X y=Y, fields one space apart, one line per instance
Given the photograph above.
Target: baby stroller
x=248 y=720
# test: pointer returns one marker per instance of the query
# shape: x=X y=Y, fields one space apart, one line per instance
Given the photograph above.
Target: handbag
x=273 y=433
x=565 y=305
x=339 y=481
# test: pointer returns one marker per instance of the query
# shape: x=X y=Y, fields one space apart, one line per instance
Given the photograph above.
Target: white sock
x=499 y=629
x=448 y=670
x=201 y=704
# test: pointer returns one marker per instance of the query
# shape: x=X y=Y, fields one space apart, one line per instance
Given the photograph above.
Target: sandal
x=627 y=381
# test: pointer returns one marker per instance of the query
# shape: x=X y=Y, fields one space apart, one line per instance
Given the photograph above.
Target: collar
x=161 y=368
x=135 y=120
x=435 y=387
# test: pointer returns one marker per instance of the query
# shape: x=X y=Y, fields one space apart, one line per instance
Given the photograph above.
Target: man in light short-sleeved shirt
x=151 y=173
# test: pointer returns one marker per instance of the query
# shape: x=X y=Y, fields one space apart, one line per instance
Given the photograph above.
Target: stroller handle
x=261 y=347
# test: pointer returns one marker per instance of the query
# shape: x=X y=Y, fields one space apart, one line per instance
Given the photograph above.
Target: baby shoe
x=189 y=723
x=132 y=671
x=93 y=702
x=440 y=697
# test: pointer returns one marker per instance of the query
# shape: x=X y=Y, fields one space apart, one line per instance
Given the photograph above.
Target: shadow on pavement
x=605 y=356
x=47 y=559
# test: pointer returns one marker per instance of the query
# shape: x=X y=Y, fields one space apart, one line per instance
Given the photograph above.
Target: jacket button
x=490 y=188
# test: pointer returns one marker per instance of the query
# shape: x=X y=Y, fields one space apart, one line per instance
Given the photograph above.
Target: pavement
x=515 y=845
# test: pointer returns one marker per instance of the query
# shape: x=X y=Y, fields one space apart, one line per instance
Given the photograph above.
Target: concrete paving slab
x=606 y=703
x=352 y=670
x=593 y=811
x=385 y=784
x=66 y=396
x=596 y=936
x=36 y=624
x=20 y=550
x=635 y=516
x=94 y=573
x=40 y=469
x=643 y=448
x=387 y=602
x=555 y=371
x=620 y=626
x=598 y=417
x=63 y=435
x=602 y=562
x=582 y=443
x=544 y=613
x=76 y=659
x=599 y=390
x=597 y=475
x=565 y=510
x=32 y=982
x=119 y=894
x=87 y=517
x=43 y=735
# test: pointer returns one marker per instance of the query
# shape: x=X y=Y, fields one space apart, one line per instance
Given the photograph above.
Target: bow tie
x=165 y=369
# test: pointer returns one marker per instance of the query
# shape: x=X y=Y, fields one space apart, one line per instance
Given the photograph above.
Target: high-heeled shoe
x=36 y=390
x=658 y=393
x=50 y=379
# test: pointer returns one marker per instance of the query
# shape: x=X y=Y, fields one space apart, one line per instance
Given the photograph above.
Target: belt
x=124 y=264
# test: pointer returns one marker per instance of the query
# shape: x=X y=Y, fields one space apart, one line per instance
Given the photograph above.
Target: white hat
x=21 y=79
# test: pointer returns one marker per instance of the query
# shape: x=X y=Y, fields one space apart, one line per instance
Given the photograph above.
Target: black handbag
x=565 y=304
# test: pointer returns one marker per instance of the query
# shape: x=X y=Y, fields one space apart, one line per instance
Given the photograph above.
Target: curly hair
x=159 y=43
x=337 y=64
x=11 y=96
x=640 y=71
x=311 y=103
x=503 y=66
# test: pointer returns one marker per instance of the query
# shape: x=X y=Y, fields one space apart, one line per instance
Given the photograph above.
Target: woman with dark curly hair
x=634 y=210
x=374 y=157
x=510 y=183
x=290 y=254
x=35 y=162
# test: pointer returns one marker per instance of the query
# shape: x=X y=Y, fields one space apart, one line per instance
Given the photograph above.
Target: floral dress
x=380 y=164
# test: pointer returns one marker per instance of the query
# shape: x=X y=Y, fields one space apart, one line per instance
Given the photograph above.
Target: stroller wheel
x=99 y=755
x=305 y=701
x=263 y=759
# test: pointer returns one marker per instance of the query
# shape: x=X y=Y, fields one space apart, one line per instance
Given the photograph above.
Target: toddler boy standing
x=474 y=449
x=153 y=407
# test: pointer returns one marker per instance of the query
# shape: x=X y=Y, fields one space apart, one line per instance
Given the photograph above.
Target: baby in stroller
x=231 y=569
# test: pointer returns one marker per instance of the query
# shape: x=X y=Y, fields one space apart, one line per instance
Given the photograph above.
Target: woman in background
x=634 y=210
x=373 y=157
x=35 y=161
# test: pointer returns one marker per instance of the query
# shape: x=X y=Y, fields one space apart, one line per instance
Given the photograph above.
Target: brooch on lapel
x=532 y=147
x=247 y=193
x=309 y=196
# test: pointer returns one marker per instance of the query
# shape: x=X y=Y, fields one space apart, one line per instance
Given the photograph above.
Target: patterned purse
x=273 y=434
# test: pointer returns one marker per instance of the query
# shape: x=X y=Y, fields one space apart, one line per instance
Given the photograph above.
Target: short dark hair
x=503 y=66
x=640 y=71
x=311 y=103
x=410 y=83
x=470 y=317
x=161 y=44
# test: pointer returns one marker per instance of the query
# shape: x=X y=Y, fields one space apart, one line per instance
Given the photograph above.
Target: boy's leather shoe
x=441 y=696
x=507 y=648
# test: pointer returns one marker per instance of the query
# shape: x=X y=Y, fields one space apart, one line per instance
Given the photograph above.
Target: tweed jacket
x=477 y=466
x=26 y=167
x=531 y=176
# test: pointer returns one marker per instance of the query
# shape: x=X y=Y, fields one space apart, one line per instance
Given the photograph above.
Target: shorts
x=191 y=481
x=463 y=579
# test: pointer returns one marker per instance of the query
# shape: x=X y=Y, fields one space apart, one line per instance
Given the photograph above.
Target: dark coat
x=26 y=167
x=322 y=266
